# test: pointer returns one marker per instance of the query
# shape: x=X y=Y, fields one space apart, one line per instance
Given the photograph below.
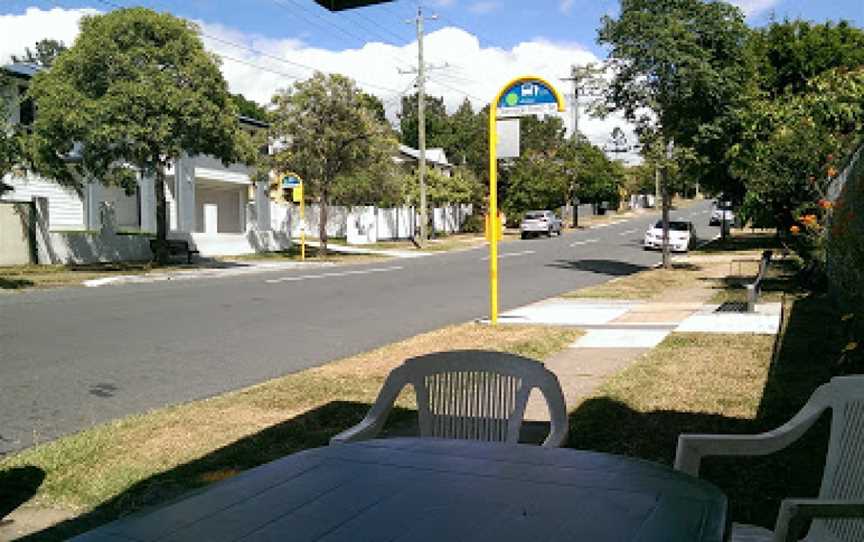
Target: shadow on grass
x=8 y=283
x=806 y=357
x=309 y=430
x=18 y=486
x=744 y=241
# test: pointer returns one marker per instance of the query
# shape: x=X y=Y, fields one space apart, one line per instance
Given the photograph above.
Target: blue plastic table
x=440 y=490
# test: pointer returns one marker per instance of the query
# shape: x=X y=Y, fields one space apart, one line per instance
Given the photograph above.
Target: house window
x=26 y=109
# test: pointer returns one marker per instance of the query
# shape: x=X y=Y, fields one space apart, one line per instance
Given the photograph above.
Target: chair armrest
x=377 y=415
x=796 y=513
x=692 y=448
x=559 y=423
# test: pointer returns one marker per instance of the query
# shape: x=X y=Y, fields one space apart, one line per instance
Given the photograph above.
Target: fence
x=844 y=250
x=367 y=224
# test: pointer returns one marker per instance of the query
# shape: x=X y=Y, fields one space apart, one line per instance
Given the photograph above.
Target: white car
x=719 y=211
x=680 y=236
x=540 y=223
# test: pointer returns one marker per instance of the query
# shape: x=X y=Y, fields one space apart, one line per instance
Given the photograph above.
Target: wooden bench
x=175 y=247
x=755 y=288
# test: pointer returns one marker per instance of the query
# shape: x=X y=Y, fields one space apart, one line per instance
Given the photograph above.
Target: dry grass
x=167 y=451
x=654 y=283
x=50 y=276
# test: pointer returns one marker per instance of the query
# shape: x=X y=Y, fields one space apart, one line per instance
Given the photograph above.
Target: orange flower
x=795 y=230
x=825 y=204
x=832 y=171
x=809 y=220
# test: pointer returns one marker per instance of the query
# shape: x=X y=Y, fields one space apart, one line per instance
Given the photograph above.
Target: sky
x=473 y=46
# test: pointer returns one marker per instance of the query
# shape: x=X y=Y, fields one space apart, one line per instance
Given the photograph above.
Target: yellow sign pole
x=494 y=220
x=302 y=224
x=493 y=213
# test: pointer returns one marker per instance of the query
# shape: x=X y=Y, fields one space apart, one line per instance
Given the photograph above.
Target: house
x=409 y=158
x=219 y=210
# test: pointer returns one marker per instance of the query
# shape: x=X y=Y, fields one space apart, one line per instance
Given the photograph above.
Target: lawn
x=20 y=277
x=115 y=468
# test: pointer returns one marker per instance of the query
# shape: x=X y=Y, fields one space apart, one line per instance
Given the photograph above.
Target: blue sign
x=528 y=97
x=291 y=181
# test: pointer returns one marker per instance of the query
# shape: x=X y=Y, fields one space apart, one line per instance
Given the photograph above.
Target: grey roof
x=434 y=155
x=21 y=69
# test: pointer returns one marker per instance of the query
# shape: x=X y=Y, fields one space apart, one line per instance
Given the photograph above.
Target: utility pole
x=421 y=122
x=584 y=82
x=664 y=192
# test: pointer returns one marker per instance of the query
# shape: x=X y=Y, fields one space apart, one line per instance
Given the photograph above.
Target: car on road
x=680 y=236
x=539 y=223
x=721 y=210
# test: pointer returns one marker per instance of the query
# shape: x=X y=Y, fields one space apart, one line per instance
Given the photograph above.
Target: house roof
x=434 y=155
x=22 y=69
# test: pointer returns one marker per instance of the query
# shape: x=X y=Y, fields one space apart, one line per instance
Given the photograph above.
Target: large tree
x=10 y=135
x=680 y=68
x=329 y=132
x=134 y=92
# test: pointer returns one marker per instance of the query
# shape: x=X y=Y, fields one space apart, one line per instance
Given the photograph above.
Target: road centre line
x=510 y=254
x=335 y=274
x=578 y=243
x=628 y=232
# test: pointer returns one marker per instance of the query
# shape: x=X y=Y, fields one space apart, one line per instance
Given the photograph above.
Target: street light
x=342 y=5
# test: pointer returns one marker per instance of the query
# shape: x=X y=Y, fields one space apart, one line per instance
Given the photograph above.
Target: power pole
x=421 y=121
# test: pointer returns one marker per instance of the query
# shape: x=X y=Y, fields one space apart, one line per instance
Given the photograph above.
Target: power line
x=259 y=52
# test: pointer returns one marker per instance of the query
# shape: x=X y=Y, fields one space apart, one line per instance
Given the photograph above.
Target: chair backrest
x=480 y=395
x=844 y=466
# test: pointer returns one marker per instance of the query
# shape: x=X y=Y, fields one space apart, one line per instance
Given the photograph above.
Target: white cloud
x=482 y=8
x=472 y=71
x=564 y=6
x=755 y=7
x=20 y=31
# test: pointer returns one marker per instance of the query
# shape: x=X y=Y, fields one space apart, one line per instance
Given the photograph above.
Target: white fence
x=367 y=224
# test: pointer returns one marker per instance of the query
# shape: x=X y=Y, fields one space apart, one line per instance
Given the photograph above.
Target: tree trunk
x=161 y=255
x=664 y=191
x=322 y=225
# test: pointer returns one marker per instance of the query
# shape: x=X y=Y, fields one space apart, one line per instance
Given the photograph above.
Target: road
x=74 y=357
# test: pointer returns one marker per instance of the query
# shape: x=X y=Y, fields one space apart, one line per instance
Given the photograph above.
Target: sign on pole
x=508 y=138
x=290 y=181
x=522 y=96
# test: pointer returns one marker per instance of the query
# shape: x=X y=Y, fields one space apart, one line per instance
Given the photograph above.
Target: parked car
x=540 y=223
x=680 y=236
x=719 y=210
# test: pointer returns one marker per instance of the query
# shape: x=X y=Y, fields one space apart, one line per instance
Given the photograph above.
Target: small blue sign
x=291 y=181
x=527 y=97
x=527 y=93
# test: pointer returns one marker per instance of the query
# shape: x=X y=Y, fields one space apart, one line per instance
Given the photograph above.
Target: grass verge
x=113 y=469
x=646 y=284
x=20 y=277
x=313 y=253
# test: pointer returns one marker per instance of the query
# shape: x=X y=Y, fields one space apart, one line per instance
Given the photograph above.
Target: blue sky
x=498 y=23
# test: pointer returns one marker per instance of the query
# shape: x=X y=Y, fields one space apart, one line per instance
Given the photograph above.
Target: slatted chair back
x=843 y=478
x=479 y=395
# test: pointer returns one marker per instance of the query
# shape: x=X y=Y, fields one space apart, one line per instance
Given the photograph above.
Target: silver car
x=540 y=223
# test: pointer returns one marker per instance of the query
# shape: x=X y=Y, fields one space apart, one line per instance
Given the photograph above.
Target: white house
x=220 y=210
x=435 y=158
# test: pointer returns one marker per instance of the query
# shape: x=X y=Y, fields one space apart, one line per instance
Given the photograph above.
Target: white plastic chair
x=838 y=512
x=468 y=394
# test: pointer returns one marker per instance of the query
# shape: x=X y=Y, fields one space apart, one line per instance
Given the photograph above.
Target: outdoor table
x=440 y=490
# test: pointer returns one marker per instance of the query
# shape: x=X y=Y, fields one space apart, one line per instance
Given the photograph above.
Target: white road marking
x=604 y=225
x=335 y=274
x=628 y=232
x=511 y=254
x=578 y=243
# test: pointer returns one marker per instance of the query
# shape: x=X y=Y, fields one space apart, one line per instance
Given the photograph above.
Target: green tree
x=136 y=90
x=791 y=53
x=382 y=184
x=44 y=53
x=249 y=108
x=437 y=122
x=680 y=68
x=466 y=131
x=328 y=134
x=11 y=155
x=461 y=186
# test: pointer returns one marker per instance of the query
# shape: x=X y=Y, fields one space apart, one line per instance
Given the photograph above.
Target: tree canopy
x=329 y=133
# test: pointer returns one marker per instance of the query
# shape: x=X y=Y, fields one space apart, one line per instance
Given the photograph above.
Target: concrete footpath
x=618 y=333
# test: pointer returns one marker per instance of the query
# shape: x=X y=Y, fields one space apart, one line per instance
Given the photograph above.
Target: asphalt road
x=73 y=357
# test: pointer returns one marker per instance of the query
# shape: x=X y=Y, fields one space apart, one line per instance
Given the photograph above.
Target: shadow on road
x=612 y=268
